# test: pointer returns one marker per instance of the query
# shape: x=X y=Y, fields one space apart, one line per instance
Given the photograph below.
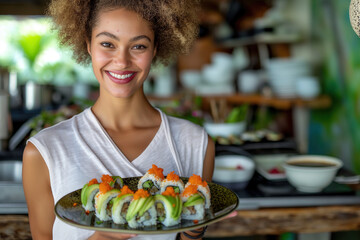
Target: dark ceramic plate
x=223 y=202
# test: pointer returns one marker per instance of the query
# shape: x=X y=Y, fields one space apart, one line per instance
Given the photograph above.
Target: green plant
x=237 y=114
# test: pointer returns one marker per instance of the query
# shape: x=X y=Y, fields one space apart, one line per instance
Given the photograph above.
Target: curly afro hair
x=174 y=22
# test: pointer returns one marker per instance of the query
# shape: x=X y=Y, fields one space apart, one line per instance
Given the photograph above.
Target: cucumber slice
x=148 y=185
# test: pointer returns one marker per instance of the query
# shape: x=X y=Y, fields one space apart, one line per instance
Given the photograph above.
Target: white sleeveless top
x=79 y=149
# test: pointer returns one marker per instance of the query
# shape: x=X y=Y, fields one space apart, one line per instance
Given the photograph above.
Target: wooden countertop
x=272 y=221
x=14 y=227
x=275 y=221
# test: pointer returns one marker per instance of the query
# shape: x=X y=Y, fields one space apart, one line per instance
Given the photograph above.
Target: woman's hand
x=108 y=236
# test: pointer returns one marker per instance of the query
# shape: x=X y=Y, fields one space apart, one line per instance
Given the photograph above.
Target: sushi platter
x=70 y=209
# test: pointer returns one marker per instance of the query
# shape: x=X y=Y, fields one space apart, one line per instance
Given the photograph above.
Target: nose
x=122 y=58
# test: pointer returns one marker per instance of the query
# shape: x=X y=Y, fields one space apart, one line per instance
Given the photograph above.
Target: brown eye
x=106 y=45
x=139 y=47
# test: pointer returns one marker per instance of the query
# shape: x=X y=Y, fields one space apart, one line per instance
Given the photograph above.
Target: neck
x=124 y=113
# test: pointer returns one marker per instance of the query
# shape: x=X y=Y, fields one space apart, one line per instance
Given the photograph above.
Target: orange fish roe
x=158 y=172
x=172 y=177
x=104 y=187
x=169 y=192
x=196 y=180
x=141 y=193
x=125 y=190
x=93 y=181
x=107 y=178
x=189 y=190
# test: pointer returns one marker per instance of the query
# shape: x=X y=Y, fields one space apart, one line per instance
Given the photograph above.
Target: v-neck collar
x=117 y=149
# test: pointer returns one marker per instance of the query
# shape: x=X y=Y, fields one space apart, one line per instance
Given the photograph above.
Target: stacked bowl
x=218 y=76
x=283 y=74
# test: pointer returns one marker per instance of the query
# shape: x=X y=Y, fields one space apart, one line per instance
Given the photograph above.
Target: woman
x=122 y=134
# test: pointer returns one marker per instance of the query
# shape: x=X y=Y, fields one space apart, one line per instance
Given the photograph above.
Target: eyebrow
x=110 y=35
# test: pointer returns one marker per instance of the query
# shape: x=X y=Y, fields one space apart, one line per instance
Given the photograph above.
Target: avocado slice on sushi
x=194 y=199
x=134 y=208
x=146 y=205
x=105 y=197
x=88 y=194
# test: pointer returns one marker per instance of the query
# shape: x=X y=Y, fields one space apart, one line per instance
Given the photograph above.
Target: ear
x=155 y=51
x=88 y=44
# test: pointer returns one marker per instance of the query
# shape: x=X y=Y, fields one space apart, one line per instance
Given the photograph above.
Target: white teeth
x=118 y=76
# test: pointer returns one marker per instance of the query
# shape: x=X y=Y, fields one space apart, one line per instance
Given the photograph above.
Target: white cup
x=249 y=81
x=307 y=87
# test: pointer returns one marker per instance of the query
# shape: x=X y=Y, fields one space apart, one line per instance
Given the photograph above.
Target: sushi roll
x=113 y=181
x=151 y=181
x=174 y=181
x=103 y=203
x=141 y=210
x=202 y=188
x=117 y=182
x=193 y=204
x=88 y=193
x=121 y=205
x=168 y=207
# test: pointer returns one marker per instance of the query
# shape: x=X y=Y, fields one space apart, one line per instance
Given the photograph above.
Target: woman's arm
x=208 y=168
x=40 y=202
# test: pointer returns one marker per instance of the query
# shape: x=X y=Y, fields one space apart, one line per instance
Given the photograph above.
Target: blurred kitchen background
x=266 y=78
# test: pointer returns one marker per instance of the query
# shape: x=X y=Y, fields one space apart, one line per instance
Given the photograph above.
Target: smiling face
x=121 y=48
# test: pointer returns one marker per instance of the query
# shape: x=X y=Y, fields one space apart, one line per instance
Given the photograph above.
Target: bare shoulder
x=36 y=183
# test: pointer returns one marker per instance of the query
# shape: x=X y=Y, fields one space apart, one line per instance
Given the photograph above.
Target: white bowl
x=224 y=129
x=285 y=63
x=222 y=58
x=311 y=178
x=218 y=74
x=205 y=89
x=233 y=171
x=191 y=78
x=249 y=80
x=307 y=87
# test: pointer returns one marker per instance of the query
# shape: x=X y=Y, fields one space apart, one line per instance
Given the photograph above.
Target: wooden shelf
x=279 y=103
x=256 y=99
x=259 y=39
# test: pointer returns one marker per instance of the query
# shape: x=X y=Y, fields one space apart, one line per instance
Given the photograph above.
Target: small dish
x=270 y=166
x=233 y=171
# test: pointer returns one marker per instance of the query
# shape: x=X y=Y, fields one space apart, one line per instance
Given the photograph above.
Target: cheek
x=99 y=58
x=144 y=61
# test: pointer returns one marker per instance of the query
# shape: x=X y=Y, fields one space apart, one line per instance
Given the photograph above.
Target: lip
x=121 y=81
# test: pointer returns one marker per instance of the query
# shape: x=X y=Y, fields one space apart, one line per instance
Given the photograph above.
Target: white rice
x=101 y=211
x=168 y=221
x=116 y=211
x=167 y=183
x=205 y=191
x=154 y=179
x=199 y=215
x=133 y=223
